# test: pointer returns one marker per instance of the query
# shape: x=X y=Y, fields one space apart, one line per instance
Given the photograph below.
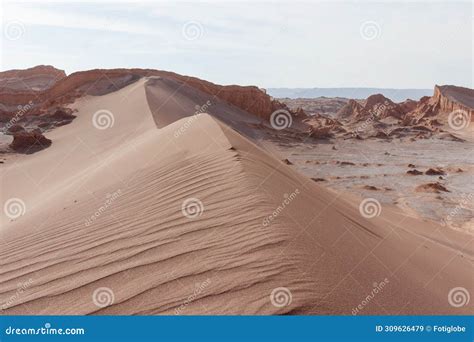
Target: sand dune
x=154 y=256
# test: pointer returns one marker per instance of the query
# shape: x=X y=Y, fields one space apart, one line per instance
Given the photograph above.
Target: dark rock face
x=29 y=142
x=15 y=128
x=414 y=172
x=435 y=172
x=63 y=114
x=432 y=187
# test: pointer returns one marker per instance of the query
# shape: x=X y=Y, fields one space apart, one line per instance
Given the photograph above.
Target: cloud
x=54 y=17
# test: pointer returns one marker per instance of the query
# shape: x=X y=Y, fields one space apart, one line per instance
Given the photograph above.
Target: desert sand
x=190 y=221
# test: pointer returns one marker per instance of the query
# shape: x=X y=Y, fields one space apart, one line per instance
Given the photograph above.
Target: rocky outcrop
x=23 y=90
x=20 y=88
x=324 y=132
x=15 y=129
x=328 y=106
x=29 y=142
x=431 y=187
x=435 y=172
x=99 y=81
x=383 y=107
x=375 y=107
x=102 y=81
x=62 y=114
x=426 y=115
x=38 y=78
x=449 y=98
x=322 y=127
x=408 y=105
x=446 y=99
x=36 y=70
x=414 y=172
x=352 y=109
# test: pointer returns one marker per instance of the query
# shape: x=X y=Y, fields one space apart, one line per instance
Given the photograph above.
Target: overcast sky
x=396 y=44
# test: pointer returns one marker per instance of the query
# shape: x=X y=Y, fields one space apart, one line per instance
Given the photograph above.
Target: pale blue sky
x=397 y=44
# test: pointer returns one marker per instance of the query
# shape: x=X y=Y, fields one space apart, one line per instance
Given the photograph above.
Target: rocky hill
x=445 y=100
x=38 y=78
x=374 y=107
x=328 y=106
x=55 y=89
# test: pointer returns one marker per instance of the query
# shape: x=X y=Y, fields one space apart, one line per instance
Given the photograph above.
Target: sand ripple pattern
x=223 y=243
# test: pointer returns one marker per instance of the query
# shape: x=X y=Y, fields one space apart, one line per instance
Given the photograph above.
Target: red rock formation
x=321 y=127
x=375 y=107
x=248 y=98
x=449 y=98
x=102 y=81
x=414 y=172
x=62 y=114
x=29 y=142
x=435 y=172
x=320 y=105
x=352 y=109
x=36 y=70
x=26 y=87
x=432 y=187
x=429 y=111
x=15 y=128
x=324 y=132
x=408 y=105
x=37 y=78
x=446 y=99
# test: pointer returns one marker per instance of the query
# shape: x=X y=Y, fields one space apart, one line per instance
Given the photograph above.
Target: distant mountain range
x=396 y=95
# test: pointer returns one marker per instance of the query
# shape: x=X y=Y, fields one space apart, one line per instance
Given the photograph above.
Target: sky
x=390 y=44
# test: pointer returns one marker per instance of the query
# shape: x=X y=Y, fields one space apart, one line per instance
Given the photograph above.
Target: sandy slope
x=226 y=260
